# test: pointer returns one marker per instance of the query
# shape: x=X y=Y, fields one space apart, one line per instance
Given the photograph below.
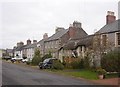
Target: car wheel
x=40 y=67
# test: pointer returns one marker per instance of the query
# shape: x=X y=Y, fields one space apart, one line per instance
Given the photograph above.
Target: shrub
x=36 y=59
x=78 y=64
x=87 y=61
x=75 y=65
x=101 y=71
x=110 y=62
x=57 y=65
x=81 y=64
x=28 y=62
x=46 y=56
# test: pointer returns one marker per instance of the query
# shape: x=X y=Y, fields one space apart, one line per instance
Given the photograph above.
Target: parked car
x=47 y=63
x=25 y=60
x=7 y=57
x=16 y=59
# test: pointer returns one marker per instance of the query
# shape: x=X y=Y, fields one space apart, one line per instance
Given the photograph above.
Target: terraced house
x=25 y=51
x=104 y=40
x=18 y=53
x=29 y=49
x=61 y=37
x=75 y=42
x=41 y=45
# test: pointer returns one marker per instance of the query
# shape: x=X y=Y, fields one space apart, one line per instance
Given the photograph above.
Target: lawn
x=87 y=74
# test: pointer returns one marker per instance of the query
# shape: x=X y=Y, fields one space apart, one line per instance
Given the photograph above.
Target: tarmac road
x=13 y=74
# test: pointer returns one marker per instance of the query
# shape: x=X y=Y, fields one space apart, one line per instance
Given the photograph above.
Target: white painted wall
x=20 y=55
x=30 y=53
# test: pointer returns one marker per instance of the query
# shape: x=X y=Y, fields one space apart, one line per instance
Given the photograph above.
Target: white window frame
x=116 y=40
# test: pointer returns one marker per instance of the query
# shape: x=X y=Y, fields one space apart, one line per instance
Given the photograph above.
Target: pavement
x=111 y=81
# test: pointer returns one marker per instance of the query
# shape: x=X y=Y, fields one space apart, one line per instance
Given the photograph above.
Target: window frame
x=116 y=39
x=102 y=39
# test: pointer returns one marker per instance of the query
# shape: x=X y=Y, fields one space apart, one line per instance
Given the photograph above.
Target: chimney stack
x=45 y=36
x=34 y=41
x=20 y=44
x=73 y=28
x=110 y=17
x=77 y=24
x=59 y=29
x=28 y=41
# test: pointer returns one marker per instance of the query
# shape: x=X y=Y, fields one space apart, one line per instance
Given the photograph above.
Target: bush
x=46 y=56
x=86 y=62
x=101 y=71
x=110 y=62
x=28 y=62
x=57 y=65
x=36 y=59
x=79 y=64
x=75 y=65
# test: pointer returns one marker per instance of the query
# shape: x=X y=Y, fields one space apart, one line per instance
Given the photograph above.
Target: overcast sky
x=30 y=19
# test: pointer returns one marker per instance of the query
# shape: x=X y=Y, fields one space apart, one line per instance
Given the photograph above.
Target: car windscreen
x=46 y=60
x=52 y=60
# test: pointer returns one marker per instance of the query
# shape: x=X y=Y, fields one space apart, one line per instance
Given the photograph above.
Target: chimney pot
x=77 y=24
x=59 y=29
x=20 y=44
x=28 y=41
x=34 y=41
x=110 y=18
x=45 y=36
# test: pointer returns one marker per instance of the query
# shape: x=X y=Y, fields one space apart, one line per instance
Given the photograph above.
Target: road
x=13 y=74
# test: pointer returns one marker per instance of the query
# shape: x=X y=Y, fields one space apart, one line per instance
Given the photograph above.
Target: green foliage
x=87 y=74
x=112 y=75
x=87 y=61
x=81 y=64
x=101 y=71
x=57 y=65
x=47 y=56
x=28 y=62
x=67 y=65
x=75 y=64
x=111 y=61
x=37 y=58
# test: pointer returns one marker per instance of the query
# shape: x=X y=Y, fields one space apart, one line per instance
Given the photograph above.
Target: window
x=104 y=40
x=118 y=38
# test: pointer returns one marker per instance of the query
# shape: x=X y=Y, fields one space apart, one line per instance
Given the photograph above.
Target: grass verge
x=87 y=74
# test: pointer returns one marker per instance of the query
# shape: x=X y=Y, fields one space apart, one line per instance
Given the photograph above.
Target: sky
x=30 y=19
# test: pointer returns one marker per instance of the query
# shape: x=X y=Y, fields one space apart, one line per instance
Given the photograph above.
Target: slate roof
x=9 y=50
x=112 y=27
x=87 y=41
x=30 y=46
x=74 y=43
x=41 y=41
x=71 y=44
x=19 y=48
x=57 y=35
x=80 y=33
